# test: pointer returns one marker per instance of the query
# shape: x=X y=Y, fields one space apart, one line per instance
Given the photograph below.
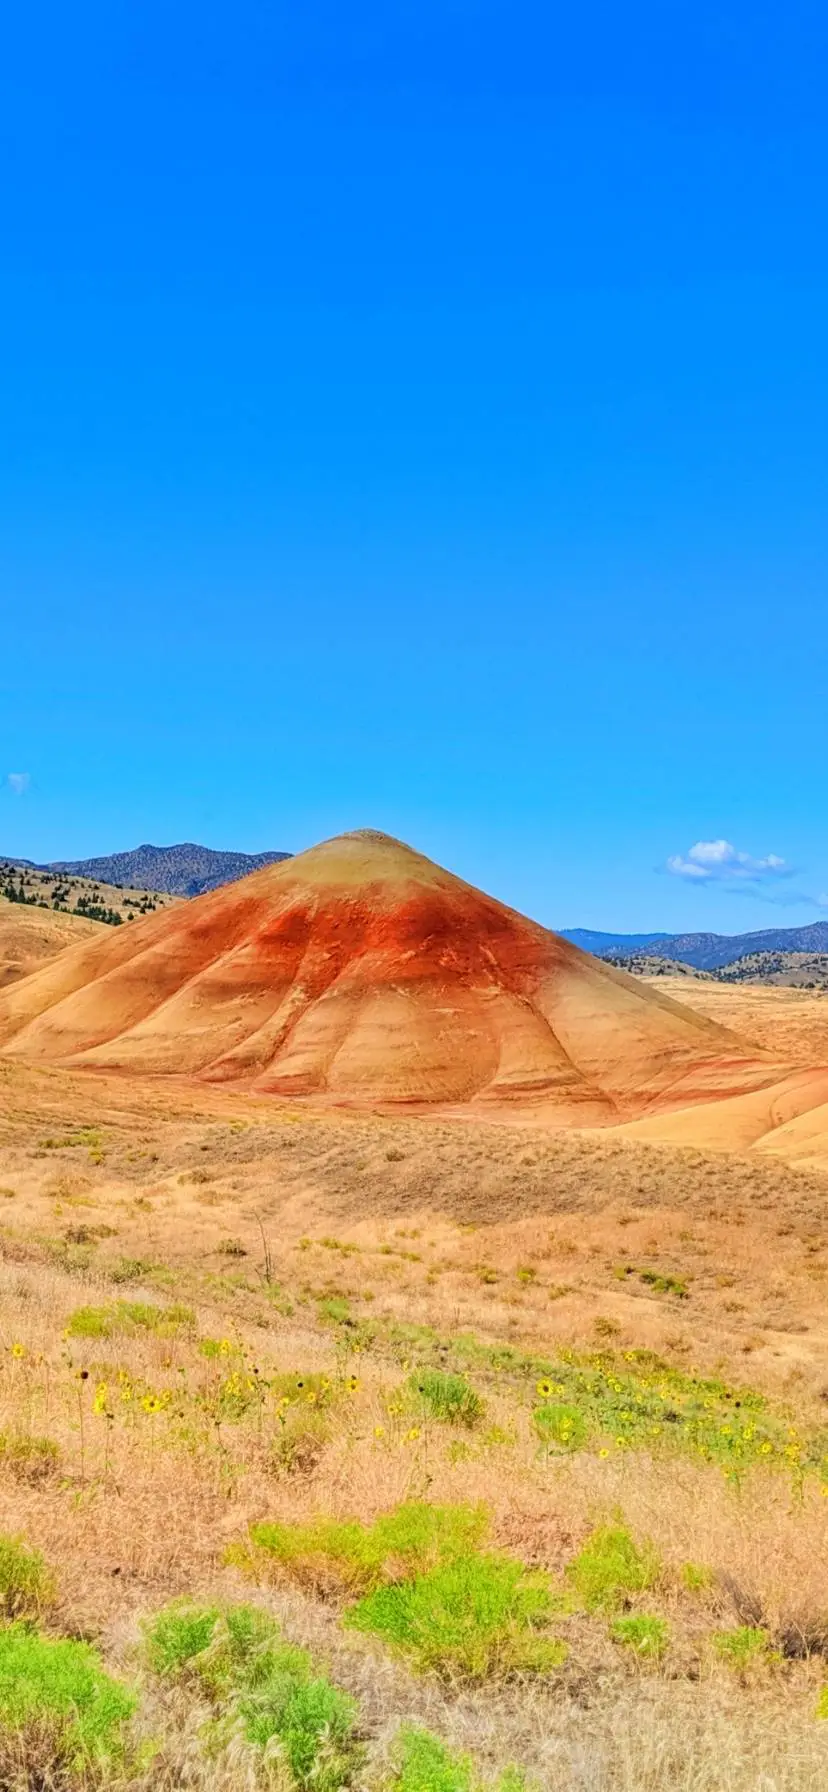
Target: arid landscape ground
x=518 y=1428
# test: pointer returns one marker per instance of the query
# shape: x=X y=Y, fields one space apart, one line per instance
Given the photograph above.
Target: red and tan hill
x=361 y=972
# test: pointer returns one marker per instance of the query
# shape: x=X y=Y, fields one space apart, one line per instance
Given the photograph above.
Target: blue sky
x=415 y=417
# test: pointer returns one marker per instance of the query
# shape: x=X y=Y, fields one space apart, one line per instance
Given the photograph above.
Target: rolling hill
x=29 y=937
x=360 y=971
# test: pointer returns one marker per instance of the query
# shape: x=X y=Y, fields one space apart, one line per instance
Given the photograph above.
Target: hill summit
x=360 y=971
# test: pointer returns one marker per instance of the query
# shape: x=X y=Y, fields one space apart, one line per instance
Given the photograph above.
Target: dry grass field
x=29 y=937
x=569 y=1389
x=792 y=1022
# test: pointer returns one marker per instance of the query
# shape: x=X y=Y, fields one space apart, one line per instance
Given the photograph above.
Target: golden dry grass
x=792 y=1022
x=29 y=937
x=112 y=1191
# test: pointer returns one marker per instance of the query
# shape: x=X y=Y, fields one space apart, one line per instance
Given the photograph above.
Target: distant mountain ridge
x=185 y=870
x=705 y=951
x=601 y=943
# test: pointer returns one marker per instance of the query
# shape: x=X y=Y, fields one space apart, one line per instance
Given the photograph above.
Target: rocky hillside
x=650 y=964
x=793 y=970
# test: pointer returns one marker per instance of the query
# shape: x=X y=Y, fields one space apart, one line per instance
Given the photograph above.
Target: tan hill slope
x=361 y=971
x=29 y=937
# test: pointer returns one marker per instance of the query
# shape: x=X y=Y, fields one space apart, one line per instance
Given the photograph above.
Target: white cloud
x=712 y=852
x=684 y=868
x=19 y=782
x=720 y=861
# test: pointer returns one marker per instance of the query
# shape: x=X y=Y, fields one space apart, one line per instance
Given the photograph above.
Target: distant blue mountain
x=600 y=943
x=705 y=951
x=185 y=870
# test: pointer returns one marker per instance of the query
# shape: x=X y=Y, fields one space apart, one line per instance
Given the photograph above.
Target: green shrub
x=335 y=1554
x=696 y=1577
x=470 y=1617
x=417 y=1536
x=664 y=1284
x=82 y=1135
x=336 y=1310
x=746 y=1646
x=262 y=1687
x=424 y=1764
x=28 y=1458
x=245 y=1643
x=129 y=1315
x=445 y=1397
x=226 y=1647
x=310 y=1721
x=610 y=1566
x=563 y=1427
x=326 y=1554
x=179 y=1633
x=146 y=1317
x=91 y=1322
x=300 y=1441
x=130 y=1269
x=27 y=1586
x=60 y=1713
x=647 y=1637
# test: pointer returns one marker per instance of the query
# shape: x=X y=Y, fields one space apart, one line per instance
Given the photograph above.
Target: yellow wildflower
x=544 y=1389
x=412 y=1435
x=352 y=1384
x=18 y=1351
x=379 y=1430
